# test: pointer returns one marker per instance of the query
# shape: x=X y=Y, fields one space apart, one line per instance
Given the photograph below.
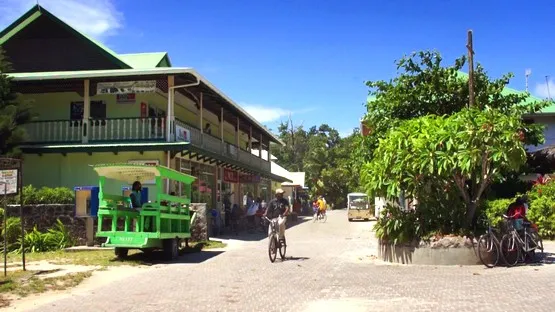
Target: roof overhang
x=108 y=147
x=144 y=72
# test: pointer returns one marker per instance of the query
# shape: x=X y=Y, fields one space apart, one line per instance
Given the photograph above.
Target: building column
x=169 y=109
x=86 y=111
x=269 y=152
x=201 y=118
x=250 y=139
x=222 y=122
x=237 y=135
x=260 y=147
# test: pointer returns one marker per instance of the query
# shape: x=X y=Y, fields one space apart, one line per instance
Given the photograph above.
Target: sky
x=310 y=59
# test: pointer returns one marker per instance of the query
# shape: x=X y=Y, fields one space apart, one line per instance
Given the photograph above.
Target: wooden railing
x=133 y=129
x=127 y=129
x=215 y=145
x=99 y=130
x=54 y=131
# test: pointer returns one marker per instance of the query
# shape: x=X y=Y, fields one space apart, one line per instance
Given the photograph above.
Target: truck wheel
x=171 y=249
x=121 y=253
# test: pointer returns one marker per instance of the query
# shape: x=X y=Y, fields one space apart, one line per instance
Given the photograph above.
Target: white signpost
x=8 y=177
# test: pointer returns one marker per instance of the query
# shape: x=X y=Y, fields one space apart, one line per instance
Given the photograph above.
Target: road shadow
x=186 y=255
x=290 y=258
x=257 y=235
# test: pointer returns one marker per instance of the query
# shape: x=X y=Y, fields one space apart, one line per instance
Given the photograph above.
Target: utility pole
x=527 y=74
x=547 y=86
x=470 y=70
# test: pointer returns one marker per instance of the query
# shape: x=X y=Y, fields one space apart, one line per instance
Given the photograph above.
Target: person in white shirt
x=251 y=212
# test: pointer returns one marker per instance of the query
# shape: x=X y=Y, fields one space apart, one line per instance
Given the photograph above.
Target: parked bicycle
x=516 y=247
x=274 y=243
x=489 y=250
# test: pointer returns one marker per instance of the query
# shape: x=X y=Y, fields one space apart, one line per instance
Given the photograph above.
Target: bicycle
x=515 y=248
x=322 y=216
x=489 y=247
x=274 y=243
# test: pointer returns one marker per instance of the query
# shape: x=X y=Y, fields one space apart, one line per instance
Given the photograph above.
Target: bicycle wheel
x=324 y=218
x=272 y=248
x=315 y=217
x=488 y=250
x=510 y=249
x=282 y=248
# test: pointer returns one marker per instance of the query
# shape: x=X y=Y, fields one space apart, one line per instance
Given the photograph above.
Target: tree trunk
x=470 y=212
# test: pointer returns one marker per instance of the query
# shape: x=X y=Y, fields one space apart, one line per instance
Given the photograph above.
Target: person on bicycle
x=277 y=210
x=321 y=206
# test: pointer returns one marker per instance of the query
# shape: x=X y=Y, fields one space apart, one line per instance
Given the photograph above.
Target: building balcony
x=126 y=130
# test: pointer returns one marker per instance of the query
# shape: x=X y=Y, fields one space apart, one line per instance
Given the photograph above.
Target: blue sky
x=310 y=58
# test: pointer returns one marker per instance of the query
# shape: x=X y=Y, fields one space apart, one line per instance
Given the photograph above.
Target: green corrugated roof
x=146 y=60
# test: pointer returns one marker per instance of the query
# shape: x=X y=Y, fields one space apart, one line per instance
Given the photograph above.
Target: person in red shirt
x=517 y=213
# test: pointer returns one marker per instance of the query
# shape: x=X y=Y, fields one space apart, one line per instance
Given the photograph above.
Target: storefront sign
x=230 y=176
x=8 y=181
x=249 y=178
x=126 y=87
x=128 y=98
x=182 y=134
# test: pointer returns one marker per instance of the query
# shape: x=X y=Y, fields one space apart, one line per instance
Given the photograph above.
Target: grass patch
x=106 y=258
x=24 y=283
x=93 y=257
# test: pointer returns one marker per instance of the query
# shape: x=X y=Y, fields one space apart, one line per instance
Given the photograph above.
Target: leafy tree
x=425 y=86
x=324 y=156
x=12 y=114
x=425 y=140
x=467 y=151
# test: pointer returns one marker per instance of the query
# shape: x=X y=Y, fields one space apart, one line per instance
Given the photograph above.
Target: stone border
x=450 y=250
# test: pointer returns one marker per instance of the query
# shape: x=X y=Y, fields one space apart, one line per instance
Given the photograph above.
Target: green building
x=93 y=106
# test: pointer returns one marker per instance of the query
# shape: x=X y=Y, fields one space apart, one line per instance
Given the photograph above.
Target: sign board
x=230 y=176
x=126 y=87
x=9 y=177
x=127 y=98
x=182 y=134
x=232 y=150
x=147 y=163
x=249 y=178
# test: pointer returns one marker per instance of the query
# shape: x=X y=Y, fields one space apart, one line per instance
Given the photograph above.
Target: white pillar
x=201 y=107
x=222 y=122
x=86 y=111
x=169 y=109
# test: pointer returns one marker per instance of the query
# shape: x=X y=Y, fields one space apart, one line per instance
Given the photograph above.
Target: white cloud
x=98 y=18
x=265 y=114
x=546 y=89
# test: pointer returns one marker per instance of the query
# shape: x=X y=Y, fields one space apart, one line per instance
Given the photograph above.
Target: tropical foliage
x=327 y=159
x=427 y=142
x=13 y=114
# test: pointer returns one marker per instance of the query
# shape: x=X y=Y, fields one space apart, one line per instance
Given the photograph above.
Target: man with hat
x=278 y=209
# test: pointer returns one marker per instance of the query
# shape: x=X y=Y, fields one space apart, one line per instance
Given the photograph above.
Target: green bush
x=45 y=195
x=54 y=239
x=542 y=208
x=493 y=210
x=397 y=226
x=13 y=226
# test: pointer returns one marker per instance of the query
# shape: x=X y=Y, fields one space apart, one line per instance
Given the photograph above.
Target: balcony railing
x=133 y=129
x=99 y=130
x=215 y=145
x=54 y=131
x=127 y=129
